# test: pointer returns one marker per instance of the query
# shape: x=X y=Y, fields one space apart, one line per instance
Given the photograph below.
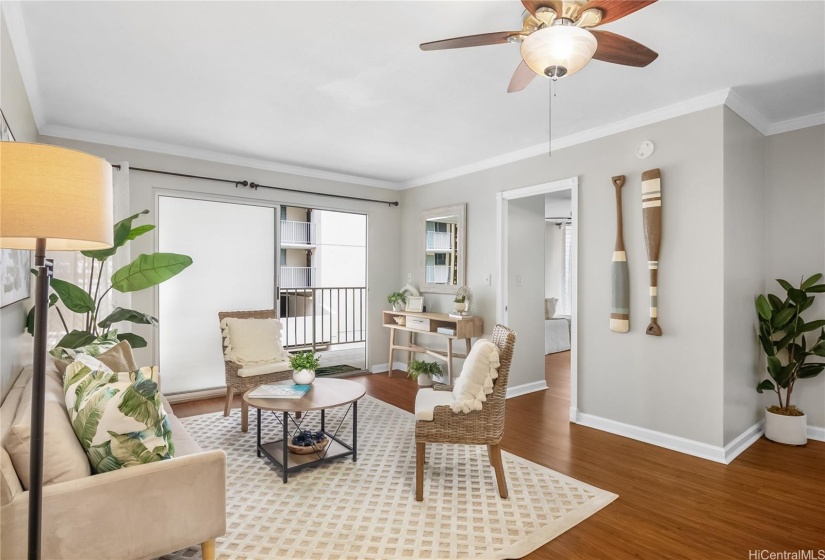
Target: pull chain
x=551 y=93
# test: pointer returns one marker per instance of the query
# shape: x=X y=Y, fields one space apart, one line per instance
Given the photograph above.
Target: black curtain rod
x=256 y=186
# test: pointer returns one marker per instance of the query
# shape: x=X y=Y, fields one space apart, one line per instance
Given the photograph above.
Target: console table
x=466 y=329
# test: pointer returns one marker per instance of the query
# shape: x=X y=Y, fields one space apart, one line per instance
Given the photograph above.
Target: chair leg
x=498 y=466
x=208 y=549
x=420 y=452
x=230 y=394
x=244 y=416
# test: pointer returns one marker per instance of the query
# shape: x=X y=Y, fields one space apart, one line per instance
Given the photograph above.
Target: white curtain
x=73 y=267
x=565 y=304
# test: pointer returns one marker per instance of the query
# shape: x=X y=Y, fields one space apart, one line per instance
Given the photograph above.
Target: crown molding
x=13 y=14
x=795 y=124
x=738 y=105
x=208 y=155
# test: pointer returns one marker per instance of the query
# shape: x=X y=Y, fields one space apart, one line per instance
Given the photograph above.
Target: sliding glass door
x=233 y=249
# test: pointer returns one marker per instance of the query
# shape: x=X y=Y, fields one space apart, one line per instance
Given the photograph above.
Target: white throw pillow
x=253 y=341
x=477 y=375
x=550 y=307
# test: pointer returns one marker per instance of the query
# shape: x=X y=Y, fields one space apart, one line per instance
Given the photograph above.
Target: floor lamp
x=55 y=199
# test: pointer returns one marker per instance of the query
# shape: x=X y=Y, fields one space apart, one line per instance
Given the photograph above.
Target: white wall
x=553 y=264
x=796 y=233
x=15 y=345
x=382 y=241
x=744 y=258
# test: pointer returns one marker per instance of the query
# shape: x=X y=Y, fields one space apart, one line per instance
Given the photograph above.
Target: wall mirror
x=442 y=245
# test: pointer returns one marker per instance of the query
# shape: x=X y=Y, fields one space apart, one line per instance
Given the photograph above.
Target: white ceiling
x=342 y=87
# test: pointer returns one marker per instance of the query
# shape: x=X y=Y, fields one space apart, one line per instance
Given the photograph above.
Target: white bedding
x=556 y=335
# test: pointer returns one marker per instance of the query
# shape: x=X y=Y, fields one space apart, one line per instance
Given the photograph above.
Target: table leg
x=410 y=353
x=392 y=343
x=467 y=344
x=286 y=449
x=323 y=420
x=258 y=448
x=450 y=360
x=354 y=431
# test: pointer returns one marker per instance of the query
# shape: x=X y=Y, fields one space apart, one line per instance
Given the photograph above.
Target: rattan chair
x=479 y=427
x=234 y=382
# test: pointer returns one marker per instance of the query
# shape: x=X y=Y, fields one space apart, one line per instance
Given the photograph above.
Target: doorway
x=524 y=305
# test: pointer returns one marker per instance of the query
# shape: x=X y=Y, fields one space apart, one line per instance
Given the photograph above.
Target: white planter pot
x=398 y=306
x=303 y=376
x=460 y=307
x=425 y=380
x=791 y=430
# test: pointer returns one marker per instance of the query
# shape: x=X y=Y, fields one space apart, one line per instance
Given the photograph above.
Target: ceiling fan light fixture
x=557 y=51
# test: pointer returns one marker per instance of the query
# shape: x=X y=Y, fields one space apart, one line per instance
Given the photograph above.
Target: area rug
x=327 y=371
x=367 y=510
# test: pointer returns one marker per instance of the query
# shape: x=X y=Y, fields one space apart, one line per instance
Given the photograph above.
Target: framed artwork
x=415 y=304
x=15 y=265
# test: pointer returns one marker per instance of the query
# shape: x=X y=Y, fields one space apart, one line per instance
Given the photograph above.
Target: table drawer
x=418 y=323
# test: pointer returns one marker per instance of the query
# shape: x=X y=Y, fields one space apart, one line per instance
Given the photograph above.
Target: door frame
x=502 y=286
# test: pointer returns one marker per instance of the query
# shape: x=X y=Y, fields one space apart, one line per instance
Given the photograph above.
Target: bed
x=556 y=334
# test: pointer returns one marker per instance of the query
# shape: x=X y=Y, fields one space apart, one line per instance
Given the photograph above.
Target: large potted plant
x=143 y=272
x=782 y=334
x=423 y=372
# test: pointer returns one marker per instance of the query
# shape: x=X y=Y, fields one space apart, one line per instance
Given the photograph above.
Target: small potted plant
x=460 y=304
x=303 y=366
x=782 y=334
x=397 y=299
x=423 y=372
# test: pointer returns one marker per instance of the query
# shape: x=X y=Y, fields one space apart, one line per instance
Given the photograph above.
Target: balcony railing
x=297 y=276
x=297 y=233
x=313 y=317
x=439 y=241
x=439 y=274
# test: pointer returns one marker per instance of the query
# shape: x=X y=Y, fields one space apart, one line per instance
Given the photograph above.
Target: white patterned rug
x=368 y=510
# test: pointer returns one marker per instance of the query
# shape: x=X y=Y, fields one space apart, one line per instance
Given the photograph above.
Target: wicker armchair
x=479 y=427
x=234 y=382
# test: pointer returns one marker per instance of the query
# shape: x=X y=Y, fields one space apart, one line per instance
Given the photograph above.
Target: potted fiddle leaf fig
x=782 y=333
x=99 y=333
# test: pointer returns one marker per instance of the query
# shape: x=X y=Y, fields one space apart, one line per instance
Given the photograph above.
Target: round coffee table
x=323 y=394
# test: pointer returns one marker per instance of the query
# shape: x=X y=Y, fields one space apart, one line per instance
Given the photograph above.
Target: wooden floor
x=671 y=505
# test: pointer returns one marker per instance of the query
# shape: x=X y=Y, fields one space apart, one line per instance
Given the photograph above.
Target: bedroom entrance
x=537 y=288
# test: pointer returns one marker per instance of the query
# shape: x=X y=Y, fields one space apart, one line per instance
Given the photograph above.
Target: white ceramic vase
x=460 y=307
x=790 y=430
x=398 y=306
x=303 y=376
x=424 y=380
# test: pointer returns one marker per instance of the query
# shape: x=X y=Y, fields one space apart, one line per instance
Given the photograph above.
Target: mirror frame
x=459 y=210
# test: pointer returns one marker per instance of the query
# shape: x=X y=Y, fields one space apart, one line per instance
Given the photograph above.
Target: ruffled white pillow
x=476 y=379
x=253 y=341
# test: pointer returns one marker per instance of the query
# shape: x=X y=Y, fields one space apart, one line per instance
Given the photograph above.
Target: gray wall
x=744 y=259
x=670 y=384
x=382 y=241
x=796 y=234
x=526 y=302
x=15 y=346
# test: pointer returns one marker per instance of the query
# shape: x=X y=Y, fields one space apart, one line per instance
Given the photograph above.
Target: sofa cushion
x=9 y=483
x=265 y=368
x=427 y=399
x=118 y=417
x=476 y=379
x=64 y=458
x=252 y=341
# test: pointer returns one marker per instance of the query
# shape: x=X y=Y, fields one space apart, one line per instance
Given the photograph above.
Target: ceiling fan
x=557 y=38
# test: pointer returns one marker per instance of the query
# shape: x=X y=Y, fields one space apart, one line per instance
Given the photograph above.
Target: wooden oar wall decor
x=620 y=309
x=652 y=216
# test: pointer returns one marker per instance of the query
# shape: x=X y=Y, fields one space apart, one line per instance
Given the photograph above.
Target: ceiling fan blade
x=469 y=41
x=616 y=9
x=521 y=78
x=533 y=5
x=621 y=50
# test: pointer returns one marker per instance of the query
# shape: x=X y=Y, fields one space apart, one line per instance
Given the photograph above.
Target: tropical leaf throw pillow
x=118 y=417
x=96 y=347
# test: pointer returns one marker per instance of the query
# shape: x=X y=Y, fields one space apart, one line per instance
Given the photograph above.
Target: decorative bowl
x=316 y=447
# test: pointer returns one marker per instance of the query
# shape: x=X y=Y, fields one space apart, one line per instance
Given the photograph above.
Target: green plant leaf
x=767 y=345
x=134 y=340
x=131 y=451
x=797 y=296
x=785 y=375
x=819 y=349
x=73 y=297
x=766 y=385
x=76 y=339
x=781 y=319
x=122 y=229
x=785 y=284
x=808 y=302
x=818 y=289
x=763 y=307
x=121 y=314
x=149 y=270
x=812 y=326
x=774 y=366
x=87 y=419
x=810 y=370
x=138 y=231
x=776 y=303
x=811 y=281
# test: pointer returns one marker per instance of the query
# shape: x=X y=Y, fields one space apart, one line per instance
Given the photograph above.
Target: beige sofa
x=137 y=512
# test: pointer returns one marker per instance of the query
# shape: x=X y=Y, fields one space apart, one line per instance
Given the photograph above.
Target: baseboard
x=743 y=441
x=660 y=439
x=382 y=368
x=816 y=432
x=518 y=390
x=195 y=395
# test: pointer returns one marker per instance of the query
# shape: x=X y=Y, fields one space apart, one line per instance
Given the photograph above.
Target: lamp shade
x=559 y=50
x=53 y=193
